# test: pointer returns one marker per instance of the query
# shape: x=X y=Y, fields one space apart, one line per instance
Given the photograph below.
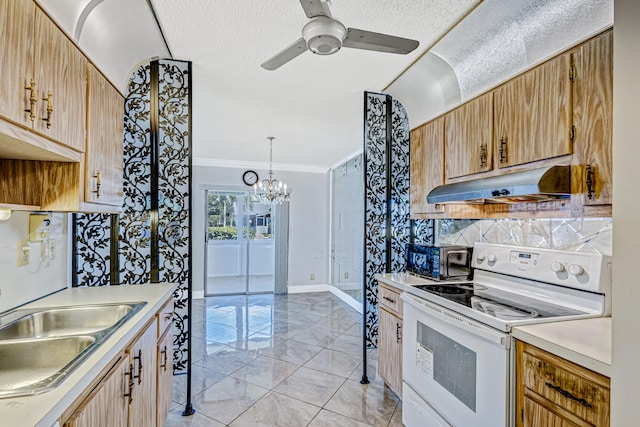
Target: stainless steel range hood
x=544 y=184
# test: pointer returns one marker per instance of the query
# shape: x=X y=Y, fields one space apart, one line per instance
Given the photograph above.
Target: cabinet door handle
x=392 y=301
x=49 y=109
x=398 y=336
x=97 y=190
x=503 y=150
x=32 y=100
x=568 y=395
x=139 y=359
x=130 y=383
x=591 y=182
x=164 y=358
x=483 y=156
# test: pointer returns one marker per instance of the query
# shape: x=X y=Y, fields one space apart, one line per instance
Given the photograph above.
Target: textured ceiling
x=312 y=105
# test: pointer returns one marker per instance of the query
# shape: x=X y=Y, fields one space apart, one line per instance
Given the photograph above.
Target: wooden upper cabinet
x=469 y=135
x=426 y=166
x=16 y=61
x=533 y=114
x=593 y=118
x=61 y=79
x=104 y=155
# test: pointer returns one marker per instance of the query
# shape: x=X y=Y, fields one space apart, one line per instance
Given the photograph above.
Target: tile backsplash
x=575 y=234
x=46 y=271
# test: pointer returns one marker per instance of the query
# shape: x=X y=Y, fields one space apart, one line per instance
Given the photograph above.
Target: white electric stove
x=457 y=350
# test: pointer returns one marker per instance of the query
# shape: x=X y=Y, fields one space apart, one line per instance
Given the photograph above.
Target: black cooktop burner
x=497 y=303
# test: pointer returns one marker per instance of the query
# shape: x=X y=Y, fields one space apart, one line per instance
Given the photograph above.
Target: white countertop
x=45 y=409
x=586 y=342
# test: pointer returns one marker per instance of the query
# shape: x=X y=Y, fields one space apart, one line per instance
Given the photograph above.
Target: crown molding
x=347 y=158
x=243 y=164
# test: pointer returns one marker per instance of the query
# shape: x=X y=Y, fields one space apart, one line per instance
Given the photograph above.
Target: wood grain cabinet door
x=390 y=350
x=61 y=71
x=143 y=356
x=593 y=117
x=469 y=135
x=165 y=377
x=426 y=166
x=107 y=406
x=533 y=115
x=104 y=155
x=16 y=61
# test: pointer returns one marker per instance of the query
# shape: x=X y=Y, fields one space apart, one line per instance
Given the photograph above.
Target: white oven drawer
x=418 y=413
x=458 y=365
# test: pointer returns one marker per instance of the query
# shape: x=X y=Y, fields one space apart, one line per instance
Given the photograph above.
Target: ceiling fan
x=325 y=35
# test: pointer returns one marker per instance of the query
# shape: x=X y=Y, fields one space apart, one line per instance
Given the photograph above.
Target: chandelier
x=270 y=190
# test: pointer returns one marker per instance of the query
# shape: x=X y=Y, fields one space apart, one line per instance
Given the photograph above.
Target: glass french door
x=239 y=244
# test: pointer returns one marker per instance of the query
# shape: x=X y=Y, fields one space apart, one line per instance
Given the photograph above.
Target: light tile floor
x=281 y=360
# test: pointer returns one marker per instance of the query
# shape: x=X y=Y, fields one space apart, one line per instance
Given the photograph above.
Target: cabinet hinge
x=572 y=133
x=522 y=415
x=572 y=73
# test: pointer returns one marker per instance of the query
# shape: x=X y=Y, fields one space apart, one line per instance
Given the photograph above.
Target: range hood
x=537 y=185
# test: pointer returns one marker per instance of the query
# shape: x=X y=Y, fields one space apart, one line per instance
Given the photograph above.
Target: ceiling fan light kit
x=325 y=35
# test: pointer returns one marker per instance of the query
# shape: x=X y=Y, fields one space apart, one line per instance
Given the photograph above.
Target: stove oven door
x=459 y=368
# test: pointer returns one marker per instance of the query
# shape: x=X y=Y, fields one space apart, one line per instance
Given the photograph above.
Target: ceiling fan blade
x=315 y=8
x=286 y=55
x=361 y=39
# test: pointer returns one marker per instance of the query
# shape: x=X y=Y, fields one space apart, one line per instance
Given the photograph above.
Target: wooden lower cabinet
x=552 y=391
x=107 y=405
x=142 y=355
x=137 y=390
x=390 y=338
x=165 y=376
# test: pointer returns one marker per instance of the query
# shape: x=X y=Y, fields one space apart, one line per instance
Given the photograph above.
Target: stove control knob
x=481 y=256
x=557 y=266
x=492 y=257
x=575 y=269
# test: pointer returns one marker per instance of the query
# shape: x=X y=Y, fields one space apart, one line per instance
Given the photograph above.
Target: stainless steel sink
x=38 y=364
x=55 y=322
x=40 y=347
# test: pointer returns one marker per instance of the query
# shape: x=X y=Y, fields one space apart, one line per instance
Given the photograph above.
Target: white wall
x=308 y=221
x=626 y=214
x=44 y=274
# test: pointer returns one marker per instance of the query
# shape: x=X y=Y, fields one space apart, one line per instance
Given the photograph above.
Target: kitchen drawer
x=165 y=316
x=578 y=390
x=390 y=299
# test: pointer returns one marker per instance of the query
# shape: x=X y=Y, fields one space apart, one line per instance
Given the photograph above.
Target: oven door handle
x=458 y=321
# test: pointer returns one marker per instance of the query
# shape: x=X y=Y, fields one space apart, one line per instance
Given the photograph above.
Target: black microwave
x=439 y=262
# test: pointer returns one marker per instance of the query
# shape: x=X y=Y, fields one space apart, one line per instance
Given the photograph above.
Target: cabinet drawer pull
x=49 y=109
x=591 y=182
x=32 y=100
x=398 y=328
x=139 y=359
x=97 y=190
x=130 y=383
x=568 y=395
x=164 y=358
x=392 y=301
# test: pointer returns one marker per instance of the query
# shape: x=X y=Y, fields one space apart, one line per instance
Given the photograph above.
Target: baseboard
x=307 y=288
x=356 y=305
x=197 y=294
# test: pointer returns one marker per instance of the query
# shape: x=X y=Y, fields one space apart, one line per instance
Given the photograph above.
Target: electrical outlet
x=23 y=253
x=346 y=275
x=312 y=276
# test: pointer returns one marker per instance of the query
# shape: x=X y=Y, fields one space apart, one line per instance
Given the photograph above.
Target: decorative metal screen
x=387 y=225
x=149 y=241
